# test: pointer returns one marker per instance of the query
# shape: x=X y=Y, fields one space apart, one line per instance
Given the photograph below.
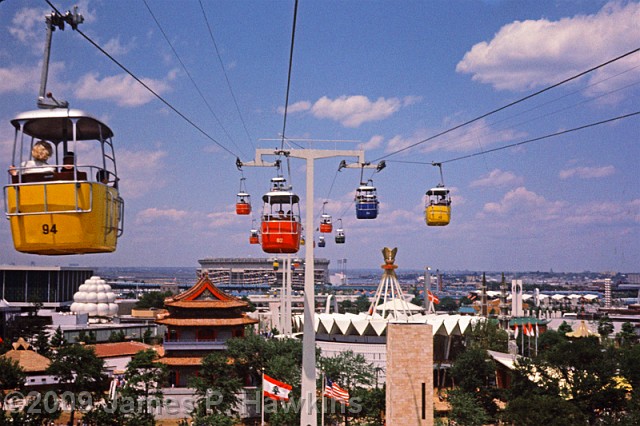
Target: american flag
x=332 y=390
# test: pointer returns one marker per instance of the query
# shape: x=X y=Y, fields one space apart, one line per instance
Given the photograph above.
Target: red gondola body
x=280 y=231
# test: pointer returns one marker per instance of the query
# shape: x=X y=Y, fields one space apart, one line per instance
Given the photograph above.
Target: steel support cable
x=551 y=113
x=286 y=102
x=550 y=135
x=125 y=69
x=235 y=101
x=511 y=103
x=184 y=67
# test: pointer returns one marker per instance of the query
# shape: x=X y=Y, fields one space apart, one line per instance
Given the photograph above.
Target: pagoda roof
x=213 y=322
x=181 y=361
x=204 y=295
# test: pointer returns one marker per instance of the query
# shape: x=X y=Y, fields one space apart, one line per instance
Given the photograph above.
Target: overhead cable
x=511 y=103
x=550 y=135
x=235 y=101
x=286 y=102
x=184 y=67
x=125 y=69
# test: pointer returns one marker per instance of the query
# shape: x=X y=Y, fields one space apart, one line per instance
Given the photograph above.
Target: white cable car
x=340 y=237
x=281 y=228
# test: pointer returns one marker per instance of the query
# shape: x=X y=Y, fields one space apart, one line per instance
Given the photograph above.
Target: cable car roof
x=441 y=190
x=54 y=125
x=366 y=188
x=280 y=197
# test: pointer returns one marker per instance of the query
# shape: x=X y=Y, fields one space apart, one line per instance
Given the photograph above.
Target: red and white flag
x=332 y=390
x=432 y=297
x=275 y=389
x=515 y=332
x=537 y=330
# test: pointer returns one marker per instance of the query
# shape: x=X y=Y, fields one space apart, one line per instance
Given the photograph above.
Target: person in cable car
x=40 y=153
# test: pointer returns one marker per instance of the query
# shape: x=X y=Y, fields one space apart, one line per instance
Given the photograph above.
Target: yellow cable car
x=64 y=206
x=438 y=207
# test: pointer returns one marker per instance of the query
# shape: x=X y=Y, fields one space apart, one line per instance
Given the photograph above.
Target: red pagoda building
x=199 y=321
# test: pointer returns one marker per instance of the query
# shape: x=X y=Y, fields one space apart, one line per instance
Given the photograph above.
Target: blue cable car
x=366 y=202
x=321 y=241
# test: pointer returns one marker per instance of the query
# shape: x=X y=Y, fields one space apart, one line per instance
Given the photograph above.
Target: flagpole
x=522 y=344
x=322 y=400
x=262 y=400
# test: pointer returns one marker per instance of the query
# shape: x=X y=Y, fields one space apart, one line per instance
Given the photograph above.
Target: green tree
x=216 y=386
x=627 y=335
x=362 y=303
x=117 y=336
x=144 y=378
x=41 y=343
x=474 y=374
x=465 y=409
x=58 y=340
x=488 y=335
x=549 y=410
x=152 y=299
x=605 y=326
x=447 y=304
x=350 y=371
x=12 y=376
x=79 y=371
x=564 y=328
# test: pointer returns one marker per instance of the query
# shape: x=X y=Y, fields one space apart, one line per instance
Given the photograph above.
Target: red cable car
x=243 y=200
x=254 y=236
x=281 y=228
x=326 y=226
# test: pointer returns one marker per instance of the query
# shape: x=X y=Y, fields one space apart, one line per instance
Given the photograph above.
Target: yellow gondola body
x=57 y=218
x=438 y=215
x=74 y=209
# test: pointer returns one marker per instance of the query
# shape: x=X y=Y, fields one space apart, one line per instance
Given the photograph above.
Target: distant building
x=53 y=286
x=246 y=272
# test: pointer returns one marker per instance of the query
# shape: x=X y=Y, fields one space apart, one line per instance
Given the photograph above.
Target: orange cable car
x=243 y=200
x=326 y=227
x=281 y=229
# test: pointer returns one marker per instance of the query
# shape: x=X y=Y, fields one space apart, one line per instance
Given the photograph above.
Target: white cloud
x=122 y=89
x=296 y=107
x=27 y=26
x=352 y=111
x=116 y=48
x=476 y=136
x=497 y=178
x=153 y=214
x=522 y=202
x=534 y=53
x=19 y=79
x=373 y=143
x=140 y=171
x=587 y=172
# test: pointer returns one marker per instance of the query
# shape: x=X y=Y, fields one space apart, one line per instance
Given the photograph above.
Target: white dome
x=74 y=307
x=91 y=297
x=111 y=297
x=80 y=297
x=103 y=309
x=83 y=287
x=107 y=287
x=113 y=309
x=91 y=308
x=80 y=308
x=101 y=297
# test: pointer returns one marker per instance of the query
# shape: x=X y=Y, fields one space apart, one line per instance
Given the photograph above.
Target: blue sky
x=386 y=74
